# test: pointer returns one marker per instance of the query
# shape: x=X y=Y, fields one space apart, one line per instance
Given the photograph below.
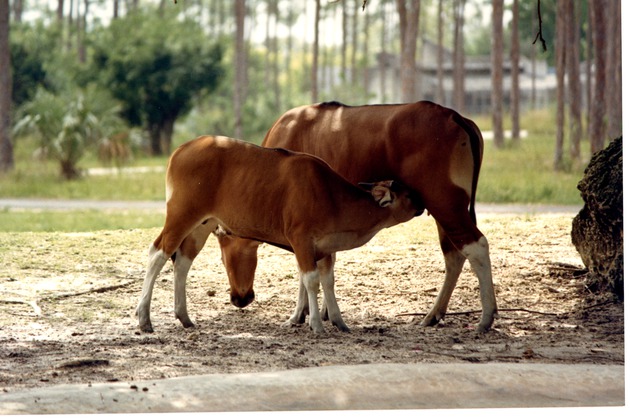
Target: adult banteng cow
x=288 y=199
x=429 y=148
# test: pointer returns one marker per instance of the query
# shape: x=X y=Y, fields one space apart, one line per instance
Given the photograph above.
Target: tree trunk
x=560 y=66
x=60 y=10
x=497 y=72
x=355 y=44
x=166 y=135
x=240 y=79
x=6 y=147
x=69 y=170
x=382 y=65
x=408 y=15
x=589 y=68
x=533 y=57
x=81 y=30
x=613 y=69
x=597 y=128
x=459 y=95
x=344 y=40
x=18 y=9
x=366 y=54
x=575 y=87
x=155 y=145
x=515 y=93
x=275 y=62
x=439 y=94
x=315 y=65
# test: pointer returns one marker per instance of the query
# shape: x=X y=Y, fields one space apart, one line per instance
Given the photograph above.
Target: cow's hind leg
x=456 y=224
x=188 y=250
x=478 y=255
x=454 y=262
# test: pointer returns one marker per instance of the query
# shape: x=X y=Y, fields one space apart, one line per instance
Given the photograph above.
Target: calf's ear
x=382 y=195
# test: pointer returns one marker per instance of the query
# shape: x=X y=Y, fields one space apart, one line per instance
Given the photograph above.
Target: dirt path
x=67 y=302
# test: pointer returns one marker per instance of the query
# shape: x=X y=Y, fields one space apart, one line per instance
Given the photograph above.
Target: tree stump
x=597 y=231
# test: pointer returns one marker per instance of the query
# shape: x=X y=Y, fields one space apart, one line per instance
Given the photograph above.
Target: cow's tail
x=476 y=143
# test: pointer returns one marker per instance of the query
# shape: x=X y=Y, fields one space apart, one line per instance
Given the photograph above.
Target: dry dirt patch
x=67 y=303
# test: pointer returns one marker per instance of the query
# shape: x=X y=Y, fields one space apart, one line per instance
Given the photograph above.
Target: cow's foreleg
x=157 y=259
x=326 y=270
x=478 y=254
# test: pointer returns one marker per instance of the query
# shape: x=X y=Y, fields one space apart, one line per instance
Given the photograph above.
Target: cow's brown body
x=292 y=200
x=431 y=149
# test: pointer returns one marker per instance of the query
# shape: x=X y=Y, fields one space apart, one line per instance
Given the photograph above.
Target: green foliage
x=67 y=123
x=29 y=54
x=156 y=69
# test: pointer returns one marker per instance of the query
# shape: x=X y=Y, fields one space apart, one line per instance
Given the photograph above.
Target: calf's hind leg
x=157 y=259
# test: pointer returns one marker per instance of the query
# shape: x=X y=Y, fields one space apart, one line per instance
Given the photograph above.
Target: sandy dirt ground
x=67 y=306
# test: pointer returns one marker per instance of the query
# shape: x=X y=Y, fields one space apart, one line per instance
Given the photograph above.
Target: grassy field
x=522 y=174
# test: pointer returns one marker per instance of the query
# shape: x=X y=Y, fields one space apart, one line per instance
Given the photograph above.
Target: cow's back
x=413 y=143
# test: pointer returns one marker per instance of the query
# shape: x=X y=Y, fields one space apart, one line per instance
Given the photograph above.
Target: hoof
x=290 y=323
x=318 y=332
x=486 y=323
x=186 y=322
x=147 y=328
x=342 y=327
x=430 y=320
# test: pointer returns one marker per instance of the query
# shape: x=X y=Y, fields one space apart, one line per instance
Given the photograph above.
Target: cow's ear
x=382 y=195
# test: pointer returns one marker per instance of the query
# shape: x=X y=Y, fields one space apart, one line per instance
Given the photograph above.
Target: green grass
x=525 y=174
x=521 y=174
x=78 y=221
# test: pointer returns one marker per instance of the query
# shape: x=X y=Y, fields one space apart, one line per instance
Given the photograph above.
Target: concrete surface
x=363 y=387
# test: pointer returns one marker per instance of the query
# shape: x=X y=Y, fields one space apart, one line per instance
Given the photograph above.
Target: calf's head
x=241 y=267
x=396 y=196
